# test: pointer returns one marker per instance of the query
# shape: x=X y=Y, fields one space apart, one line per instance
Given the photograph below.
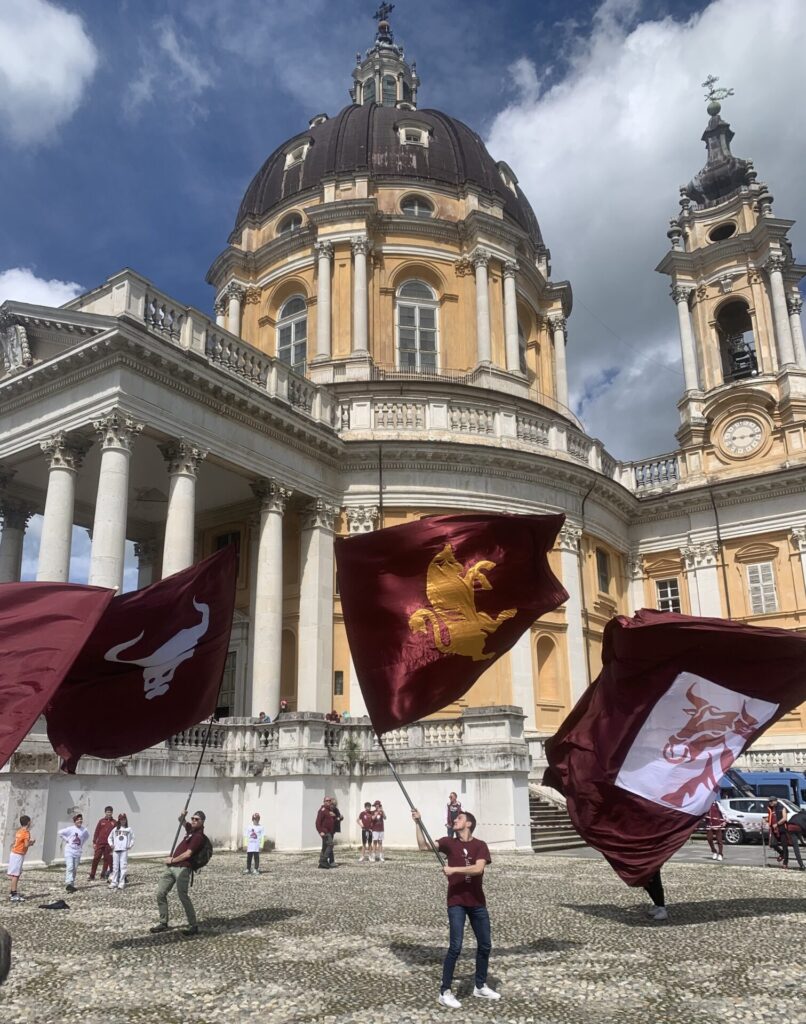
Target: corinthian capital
x=700 y=555
x=235 y=291
x=361 y=246
x=319 y=514
x=569 y=537
x=510 y=268
x=324 y=249
x=798 y=536
x=635 y=566
x=362 y=518
x=794 y=303
x=558 y=323
x=117 y=430
x=680 y=292
x=64 y=451
x=15 y=514
x=776 y=262
x=147 y=552
x=220 y=306
x=480 y=257
x=271 y=495
x=182 y=457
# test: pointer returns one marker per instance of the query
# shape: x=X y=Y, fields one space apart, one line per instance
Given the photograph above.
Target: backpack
x=202 y=856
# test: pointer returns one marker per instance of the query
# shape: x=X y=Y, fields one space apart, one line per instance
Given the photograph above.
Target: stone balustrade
x=662 y=472
x=788 y=758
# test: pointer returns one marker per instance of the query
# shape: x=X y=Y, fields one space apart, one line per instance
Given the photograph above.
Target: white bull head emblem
x=159 y=667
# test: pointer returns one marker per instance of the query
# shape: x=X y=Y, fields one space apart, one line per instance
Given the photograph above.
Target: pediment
x=757 y=552
x=664 y=567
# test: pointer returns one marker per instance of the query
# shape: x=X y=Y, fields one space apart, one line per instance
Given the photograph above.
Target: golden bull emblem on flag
x=159 y=667
x=457 y=626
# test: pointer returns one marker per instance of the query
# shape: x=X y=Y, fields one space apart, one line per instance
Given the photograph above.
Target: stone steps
x=551 y=827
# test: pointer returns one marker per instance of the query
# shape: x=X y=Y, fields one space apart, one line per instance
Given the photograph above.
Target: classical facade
x=387 y=334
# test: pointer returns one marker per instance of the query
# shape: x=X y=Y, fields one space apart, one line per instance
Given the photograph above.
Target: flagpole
x=419 y=821
x=193 y=785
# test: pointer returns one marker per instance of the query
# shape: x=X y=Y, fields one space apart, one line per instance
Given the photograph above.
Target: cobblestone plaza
x=365 y=943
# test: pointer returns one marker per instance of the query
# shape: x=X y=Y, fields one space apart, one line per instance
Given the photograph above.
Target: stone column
x=511 y=319
x=680 y=294
x=783 y=331
x=315 y=634
x=266 y=628
x=66 y=455
x=635 y=572
x=220 y=310
x=15 y=520
x=361 y=248
x=117 y=433
x=568 y=540
x=557 y=324
x=798 y=536
x=360 y=519
x=794 y=304
x=235 y=295
x=523 y=679
x=480 y=259
x=703 y=578
x=324 y=255
x=147 y=553
x=183 y=460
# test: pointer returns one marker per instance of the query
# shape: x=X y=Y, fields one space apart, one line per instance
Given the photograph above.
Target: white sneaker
x=447 y=998
x=659 y=914
x=381 y=858
x=714 y=856
x=120 y=886
x=485 y=992
x=719 y=856
x=360 y=860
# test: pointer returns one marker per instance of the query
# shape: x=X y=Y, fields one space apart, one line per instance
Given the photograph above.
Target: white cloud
x=602 y=153
x=46 y=62
x=80 y=549
x=22 y=285
x=167 y=68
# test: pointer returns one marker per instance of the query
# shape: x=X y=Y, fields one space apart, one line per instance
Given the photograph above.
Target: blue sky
x=131 y=128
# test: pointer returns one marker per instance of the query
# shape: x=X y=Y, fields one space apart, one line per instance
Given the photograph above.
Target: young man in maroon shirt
x=365 y=821
x=100 y=843
x=326 y=826
x=177 y=873
x=467 y=858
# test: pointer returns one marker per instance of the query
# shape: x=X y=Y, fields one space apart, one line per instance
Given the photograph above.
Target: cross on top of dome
x=715 y=95
x=383 y=75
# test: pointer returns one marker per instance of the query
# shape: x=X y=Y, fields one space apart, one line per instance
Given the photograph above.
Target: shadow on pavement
x=413 y=955
x=209 y=927
x=701 y=912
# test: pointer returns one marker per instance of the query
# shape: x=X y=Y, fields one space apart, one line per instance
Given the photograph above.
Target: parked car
x=745 y=816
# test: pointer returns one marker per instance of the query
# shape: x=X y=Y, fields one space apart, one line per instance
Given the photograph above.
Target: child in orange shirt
x=21 y=845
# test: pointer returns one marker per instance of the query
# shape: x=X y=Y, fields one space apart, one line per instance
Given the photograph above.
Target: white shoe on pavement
x=485 y=992
x=659 y=914
x=381 y=858
x=447 y=998
x=719 y=856
x=714 y=856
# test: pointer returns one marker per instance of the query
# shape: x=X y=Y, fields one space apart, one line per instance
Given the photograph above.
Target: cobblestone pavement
x=364 y=943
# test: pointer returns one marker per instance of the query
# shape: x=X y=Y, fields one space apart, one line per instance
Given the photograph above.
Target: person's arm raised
x=422 y=845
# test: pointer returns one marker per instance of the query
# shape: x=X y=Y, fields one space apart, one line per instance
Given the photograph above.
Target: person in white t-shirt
x=73 y=837
x=121 y=839
x=254 y=836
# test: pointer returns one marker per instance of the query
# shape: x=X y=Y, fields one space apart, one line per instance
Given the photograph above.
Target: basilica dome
x=372 y=139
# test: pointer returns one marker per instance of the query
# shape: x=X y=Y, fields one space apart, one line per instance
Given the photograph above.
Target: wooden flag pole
x=422 y=827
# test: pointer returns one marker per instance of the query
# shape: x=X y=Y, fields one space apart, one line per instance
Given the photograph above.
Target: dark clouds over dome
x=365 y=138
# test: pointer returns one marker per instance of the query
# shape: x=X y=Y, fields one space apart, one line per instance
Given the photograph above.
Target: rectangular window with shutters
x=668 y=592
x=338 y=684
x=603 y=570
x=761 y=584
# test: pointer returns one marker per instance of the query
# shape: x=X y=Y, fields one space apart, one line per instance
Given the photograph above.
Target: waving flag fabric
x=428 y=606
x=43 y=626
x=678 y=700
x=152 y=667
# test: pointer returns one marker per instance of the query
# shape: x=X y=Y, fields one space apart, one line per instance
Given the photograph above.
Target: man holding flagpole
x=467 y=859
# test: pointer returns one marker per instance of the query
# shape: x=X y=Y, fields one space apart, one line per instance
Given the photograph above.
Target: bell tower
x=734 y=280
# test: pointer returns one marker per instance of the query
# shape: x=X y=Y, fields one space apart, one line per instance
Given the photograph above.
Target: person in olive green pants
x=177 y=873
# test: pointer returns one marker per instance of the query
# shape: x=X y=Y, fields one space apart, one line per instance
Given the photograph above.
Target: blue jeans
x=480 y=923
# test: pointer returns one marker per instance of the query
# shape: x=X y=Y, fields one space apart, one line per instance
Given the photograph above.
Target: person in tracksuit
x=121 y=839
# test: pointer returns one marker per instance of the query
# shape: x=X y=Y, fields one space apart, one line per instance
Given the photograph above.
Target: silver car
x=745 y=816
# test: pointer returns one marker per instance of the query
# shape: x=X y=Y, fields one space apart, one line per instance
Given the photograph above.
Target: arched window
x=369 y=90
x=737 y=346
x=417 y=206
x=548 y=680
x=389 y=91
x=293 y=222
x=416 y=315
x=292 y=333
x=406 y=92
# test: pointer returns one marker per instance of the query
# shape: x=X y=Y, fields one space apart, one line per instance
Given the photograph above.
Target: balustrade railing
x=660 y=472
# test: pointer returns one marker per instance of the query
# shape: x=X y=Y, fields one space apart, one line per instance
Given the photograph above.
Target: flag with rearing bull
x=152 y=667
x=678 y=699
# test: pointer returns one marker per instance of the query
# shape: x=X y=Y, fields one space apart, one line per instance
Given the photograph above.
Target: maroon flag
x=152 y=667
x=678 y=700
x=428 y=606
x=43 y=626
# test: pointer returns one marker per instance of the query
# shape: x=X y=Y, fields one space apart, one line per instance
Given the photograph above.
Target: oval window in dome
x=293 y=222
x=417 y=206
x=722 y=231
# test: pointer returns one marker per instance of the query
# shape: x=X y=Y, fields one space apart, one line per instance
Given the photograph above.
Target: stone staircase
x=551 y=827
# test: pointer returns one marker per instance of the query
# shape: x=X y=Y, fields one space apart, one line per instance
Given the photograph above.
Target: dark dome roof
x=364 y=138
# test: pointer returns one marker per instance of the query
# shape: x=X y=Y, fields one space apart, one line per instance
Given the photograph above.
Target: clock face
x=741 y=437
